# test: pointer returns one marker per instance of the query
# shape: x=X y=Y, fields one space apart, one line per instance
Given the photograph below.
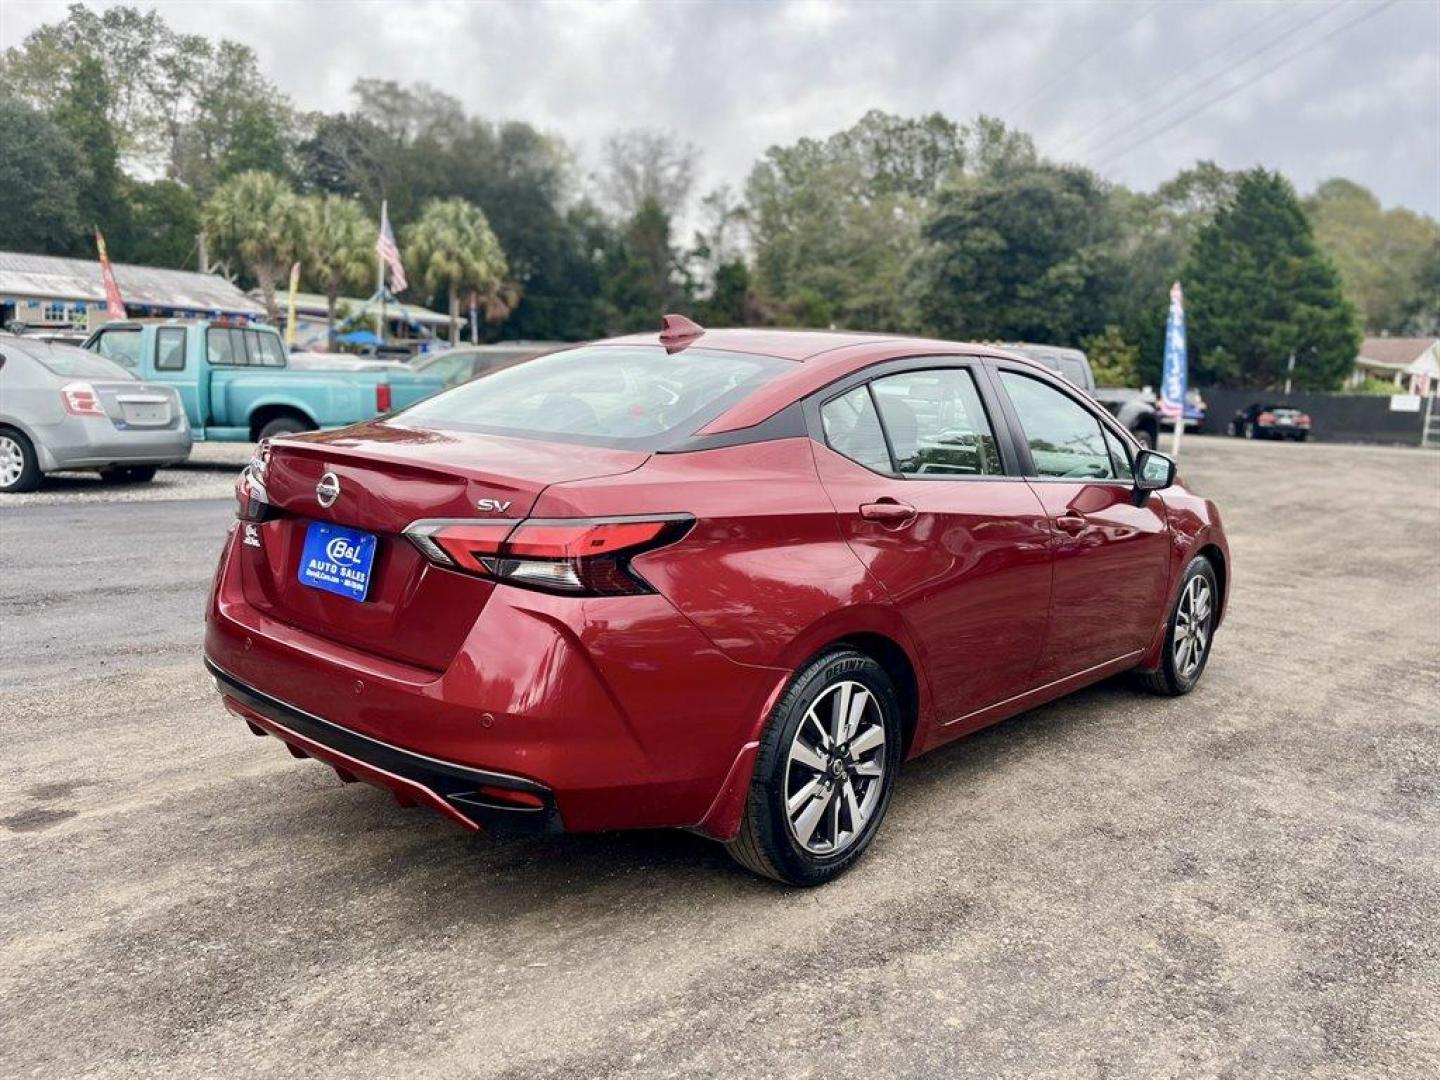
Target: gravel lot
x=1244 y=882
x=208 y=474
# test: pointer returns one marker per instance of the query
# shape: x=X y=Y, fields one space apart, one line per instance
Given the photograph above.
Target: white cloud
x=735 y=77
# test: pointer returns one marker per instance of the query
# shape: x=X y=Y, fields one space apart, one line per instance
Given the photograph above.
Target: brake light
x=80 y=399
x=1303 y=420
x=252 y=501
x=382 y=398
x=577 y=556
x=1265 y=418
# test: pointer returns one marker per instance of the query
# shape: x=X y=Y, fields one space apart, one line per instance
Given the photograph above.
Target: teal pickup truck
x=238 y=385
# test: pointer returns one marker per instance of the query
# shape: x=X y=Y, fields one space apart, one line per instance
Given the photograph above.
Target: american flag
x=389 y=253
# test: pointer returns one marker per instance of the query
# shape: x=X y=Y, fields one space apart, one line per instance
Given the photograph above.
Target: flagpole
x=380 y=275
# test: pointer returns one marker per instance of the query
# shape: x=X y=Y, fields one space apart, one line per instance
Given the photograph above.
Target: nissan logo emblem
x=327 y=490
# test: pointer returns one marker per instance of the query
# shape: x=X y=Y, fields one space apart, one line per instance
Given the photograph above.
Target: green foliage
x=164 y=221
x=1026 y=254
x=1382 y=256
x=451 y=249
x=1258 y=288
x=80 y=112
x=39 y=211
x=1376 y=387
x=835 y=223
x=254 y=219
x=1113 y=359
x=337 y=248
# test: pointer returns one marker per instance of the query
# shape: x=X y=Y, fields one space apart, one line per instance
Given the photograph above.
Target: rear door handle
x=888 y=512
x=1071 y=523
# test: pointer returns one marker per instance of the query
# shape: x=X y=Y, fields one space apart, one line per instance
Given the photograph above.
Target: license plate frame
x=338 y=559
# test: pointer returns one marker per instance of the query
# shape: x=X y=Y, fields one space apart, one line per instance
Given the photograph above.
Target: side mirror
x=1153 y=471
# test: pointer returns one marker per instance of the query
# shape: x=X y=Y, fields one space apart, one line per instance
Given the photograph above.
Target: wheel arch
x=891 y=655
x=263 y=413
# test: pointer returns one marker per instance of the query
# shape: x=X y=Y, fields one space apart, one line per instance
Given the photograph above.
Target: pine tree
x=1258 y=287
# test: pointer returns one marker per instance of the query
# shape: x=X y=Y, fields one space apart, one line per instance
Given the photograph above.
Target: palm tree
x=452 y=248
x=253 y=217
x=337 y=248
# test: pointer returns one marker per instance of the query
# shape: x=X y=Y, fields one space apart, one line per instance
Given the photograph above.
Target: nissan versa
x=722 y=580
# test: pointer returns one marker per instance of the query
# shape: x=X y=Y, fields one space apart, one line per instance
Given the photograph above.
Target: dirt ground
x=1243 y=882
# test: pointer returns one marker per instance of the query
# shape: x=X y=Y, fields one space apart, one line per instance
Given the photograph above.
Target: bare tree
x=646 y=166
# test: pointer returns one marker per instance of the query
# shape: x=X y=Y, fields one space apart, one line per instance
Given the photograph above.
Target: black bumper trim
x=458 y=785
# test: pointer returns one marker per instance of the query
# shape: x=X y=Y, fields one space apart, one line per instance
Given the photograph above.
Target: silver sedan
x=65 y=408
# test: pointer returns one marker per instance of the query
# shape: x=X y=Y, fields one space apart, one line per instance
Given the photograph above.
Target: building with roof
x=50 y=291
x=1402 y=361
x=405 y=322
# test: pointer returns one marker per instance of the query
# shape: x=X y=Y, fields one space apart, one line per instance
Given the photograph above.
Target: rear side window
x=265 y=348
x=852 y=428
x=638 y=397
x=1065 y=439
x=220 y=347
x=170 y=348
x=122 y=346
x=936 y=424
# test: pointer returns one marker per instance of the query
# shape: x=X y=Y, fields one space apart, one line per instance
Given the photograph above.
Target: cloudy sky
x=1134 y=89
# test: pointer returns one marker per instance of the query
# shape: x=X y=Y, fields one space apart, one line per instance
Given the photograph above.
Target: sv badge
x=498 y=506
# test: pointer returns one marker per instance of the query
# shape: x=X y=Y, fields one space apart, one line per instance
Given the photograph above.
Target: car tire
x=1302 y=437
x=1145 y=437
x=283 y=425
x=128 y=474
x=770 y=838
x=19 y=464
x=1180 y=669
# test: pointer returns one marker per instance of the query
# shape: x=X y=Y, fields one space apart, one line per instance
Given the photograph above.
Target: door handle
x=888 y=512
x=1071 y=523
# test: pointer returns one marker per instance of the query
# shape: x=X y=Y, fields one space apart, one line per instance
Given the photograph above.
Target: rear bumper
x=81 y=444
x=473 y=798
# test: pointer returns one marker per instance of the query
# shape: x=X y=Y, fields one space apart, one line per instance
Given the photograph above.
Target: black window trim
x=1021 y=448
x=899 y=365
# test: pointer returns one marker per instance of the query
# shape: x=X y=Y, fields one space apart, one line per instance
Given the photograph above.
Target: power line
x=1070 y=69
x=1368 y=13
x=1192 y=90
x=1134 y=100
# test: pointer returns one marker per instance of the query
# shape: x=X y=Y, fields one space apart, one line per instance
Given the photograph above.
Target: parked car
x=1269 y=420
x=64 y=408
x=733 y=598
x=1135 y=409
x=462 y=364
x=238 y=384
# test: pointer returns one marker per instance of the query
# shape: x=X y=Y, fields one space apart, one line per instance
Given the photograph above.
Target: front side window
x=636 y=396
x=936 y=424
x=170 y=348
x=1065 y=439
x=1119 y=455
x=852 y=428
x=122 y=346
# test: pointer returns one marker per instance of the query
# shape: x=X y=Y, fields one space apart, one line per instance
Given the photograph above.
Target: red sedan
x=721 y=580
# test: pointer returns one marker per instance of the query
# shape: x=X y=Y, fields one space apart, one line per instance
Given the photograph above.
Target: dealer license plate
x=337 y=559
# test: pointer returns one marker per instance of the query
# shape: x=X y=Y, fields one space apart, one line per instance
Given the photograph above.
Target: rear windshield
x=70 y=362
x=626 y=396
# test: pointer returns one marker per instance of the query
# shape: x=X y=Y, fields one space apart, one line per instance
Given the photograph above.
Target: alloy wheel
x=834 y=776
x=12 y=461
x=1192 y=627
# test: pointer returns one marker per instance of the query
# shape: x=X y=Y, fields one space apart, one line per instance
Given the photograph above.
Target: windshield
x=622 y=396
x=69 y=362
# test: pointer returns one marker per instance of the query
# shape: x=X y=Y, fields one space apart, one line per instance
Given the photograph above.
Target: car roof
x=820 y=356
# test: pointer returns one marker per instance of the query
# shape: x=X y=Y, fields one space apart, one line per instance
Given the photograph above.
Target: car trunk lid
x=390 y=476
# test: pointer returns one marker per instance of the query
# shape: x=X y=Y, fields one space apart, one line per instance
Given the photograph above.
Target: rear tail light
x=1265 y=418
x=382 y=398
x=1303 y=420
x=80 y=399
x=576 y=556
x=251 y=499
